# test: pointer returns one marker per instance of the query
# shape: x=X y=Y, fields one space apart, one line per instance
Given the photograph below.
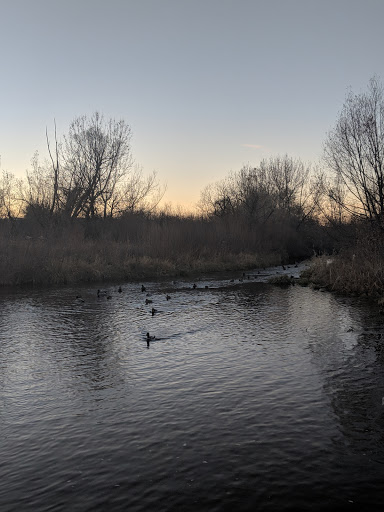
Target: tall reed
x=132 y=247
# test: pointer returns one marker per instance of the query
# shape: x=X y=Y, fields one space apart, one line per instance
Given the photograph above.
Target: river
x=251 y=397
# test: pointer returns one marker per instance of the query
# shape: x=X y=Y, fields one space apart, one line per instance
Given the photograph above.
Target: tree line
x=90 y=174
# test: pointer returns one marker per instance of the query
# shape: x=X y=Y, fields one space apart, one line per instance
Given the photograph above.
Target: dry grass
x=133 y=247
x=357 y=273
x=63 y=261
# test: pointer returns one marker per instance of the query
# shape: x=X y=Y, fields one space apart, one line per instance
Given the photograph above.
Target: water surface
x=252 y=397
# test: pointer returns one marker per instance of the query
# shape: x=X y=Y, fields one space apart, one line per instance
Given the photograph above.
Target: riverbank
x=350 y=273
x=40 y=262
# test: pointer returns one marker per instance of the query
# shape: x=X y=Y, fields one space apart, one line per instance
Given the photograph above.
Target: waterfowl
x=194 y=286
x=148 y=301
x=143 y=288
x=167 y=297
x=154 y=311
x=119 y=290
x=150 y=338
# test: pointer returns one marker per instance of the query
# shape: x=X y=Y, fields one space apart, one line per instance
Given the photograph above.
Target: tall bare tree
x=55 y=162
x=354 y=152
x=97 y=156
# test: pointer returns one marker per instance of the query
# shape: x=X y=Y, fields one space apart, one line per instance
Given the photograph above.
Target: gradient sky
x=206 y=85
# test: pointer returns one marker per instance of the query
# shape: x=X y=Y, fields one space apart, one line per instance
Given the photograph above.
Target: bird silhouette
x=143 y=288
x=150 y=338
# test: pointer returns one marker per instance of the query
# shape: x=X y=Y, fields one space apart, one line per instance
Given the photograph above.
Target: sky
x=207 y=86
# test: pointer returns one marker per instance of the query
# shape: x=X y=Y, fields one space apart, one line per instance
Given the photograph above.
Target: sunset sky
x=206 y=85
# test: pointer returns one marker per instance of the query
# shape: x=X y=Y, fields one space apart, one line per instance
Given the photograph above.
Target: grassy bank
x=127 y=250
x=39 y=263
x=358 y=272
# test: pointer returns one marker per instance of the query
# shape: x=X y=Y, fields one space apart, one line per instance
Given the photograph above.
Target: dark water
x=252 y=397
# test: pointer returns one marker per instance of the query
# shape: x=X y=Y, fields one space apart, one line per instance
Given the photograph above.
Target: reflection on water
x=251 y=397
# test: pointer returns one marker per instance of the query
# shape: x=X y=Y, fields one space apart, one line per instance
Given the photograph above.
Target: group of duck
x=104 y=293
x=149 y=338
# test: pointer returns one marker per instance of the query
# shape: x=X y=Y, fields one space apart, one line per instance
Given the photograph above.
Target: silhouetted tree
x=280 y=185
x=8 y=201
x=354 y=152
x=36 y=191
x=97 y=156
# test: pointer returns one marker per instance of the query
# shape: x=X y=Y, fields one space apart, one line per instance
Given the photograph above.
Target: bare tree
x=90 y=173
x=36 y=190
x=140 y=192
x=55 y=168
x=97 y=157
x=8 y=200
x=278 y=185
x=218 y=199
x=354 y=152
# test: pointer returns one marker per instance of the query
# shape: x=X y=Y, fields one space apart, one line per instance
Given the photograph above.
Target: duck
x=153 y=311
x=143 y=288
x=150 y=338
x=119 y=290
x=167 y=297
x=194 y=286
x=148 y=301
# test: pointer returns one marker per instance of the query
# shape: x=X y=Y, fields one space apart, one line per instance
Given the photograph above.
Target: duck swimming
x=150 y=338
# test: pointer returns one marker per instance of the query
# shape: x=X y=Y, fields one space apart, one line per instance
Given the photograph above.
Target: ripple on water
x=251 y=397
